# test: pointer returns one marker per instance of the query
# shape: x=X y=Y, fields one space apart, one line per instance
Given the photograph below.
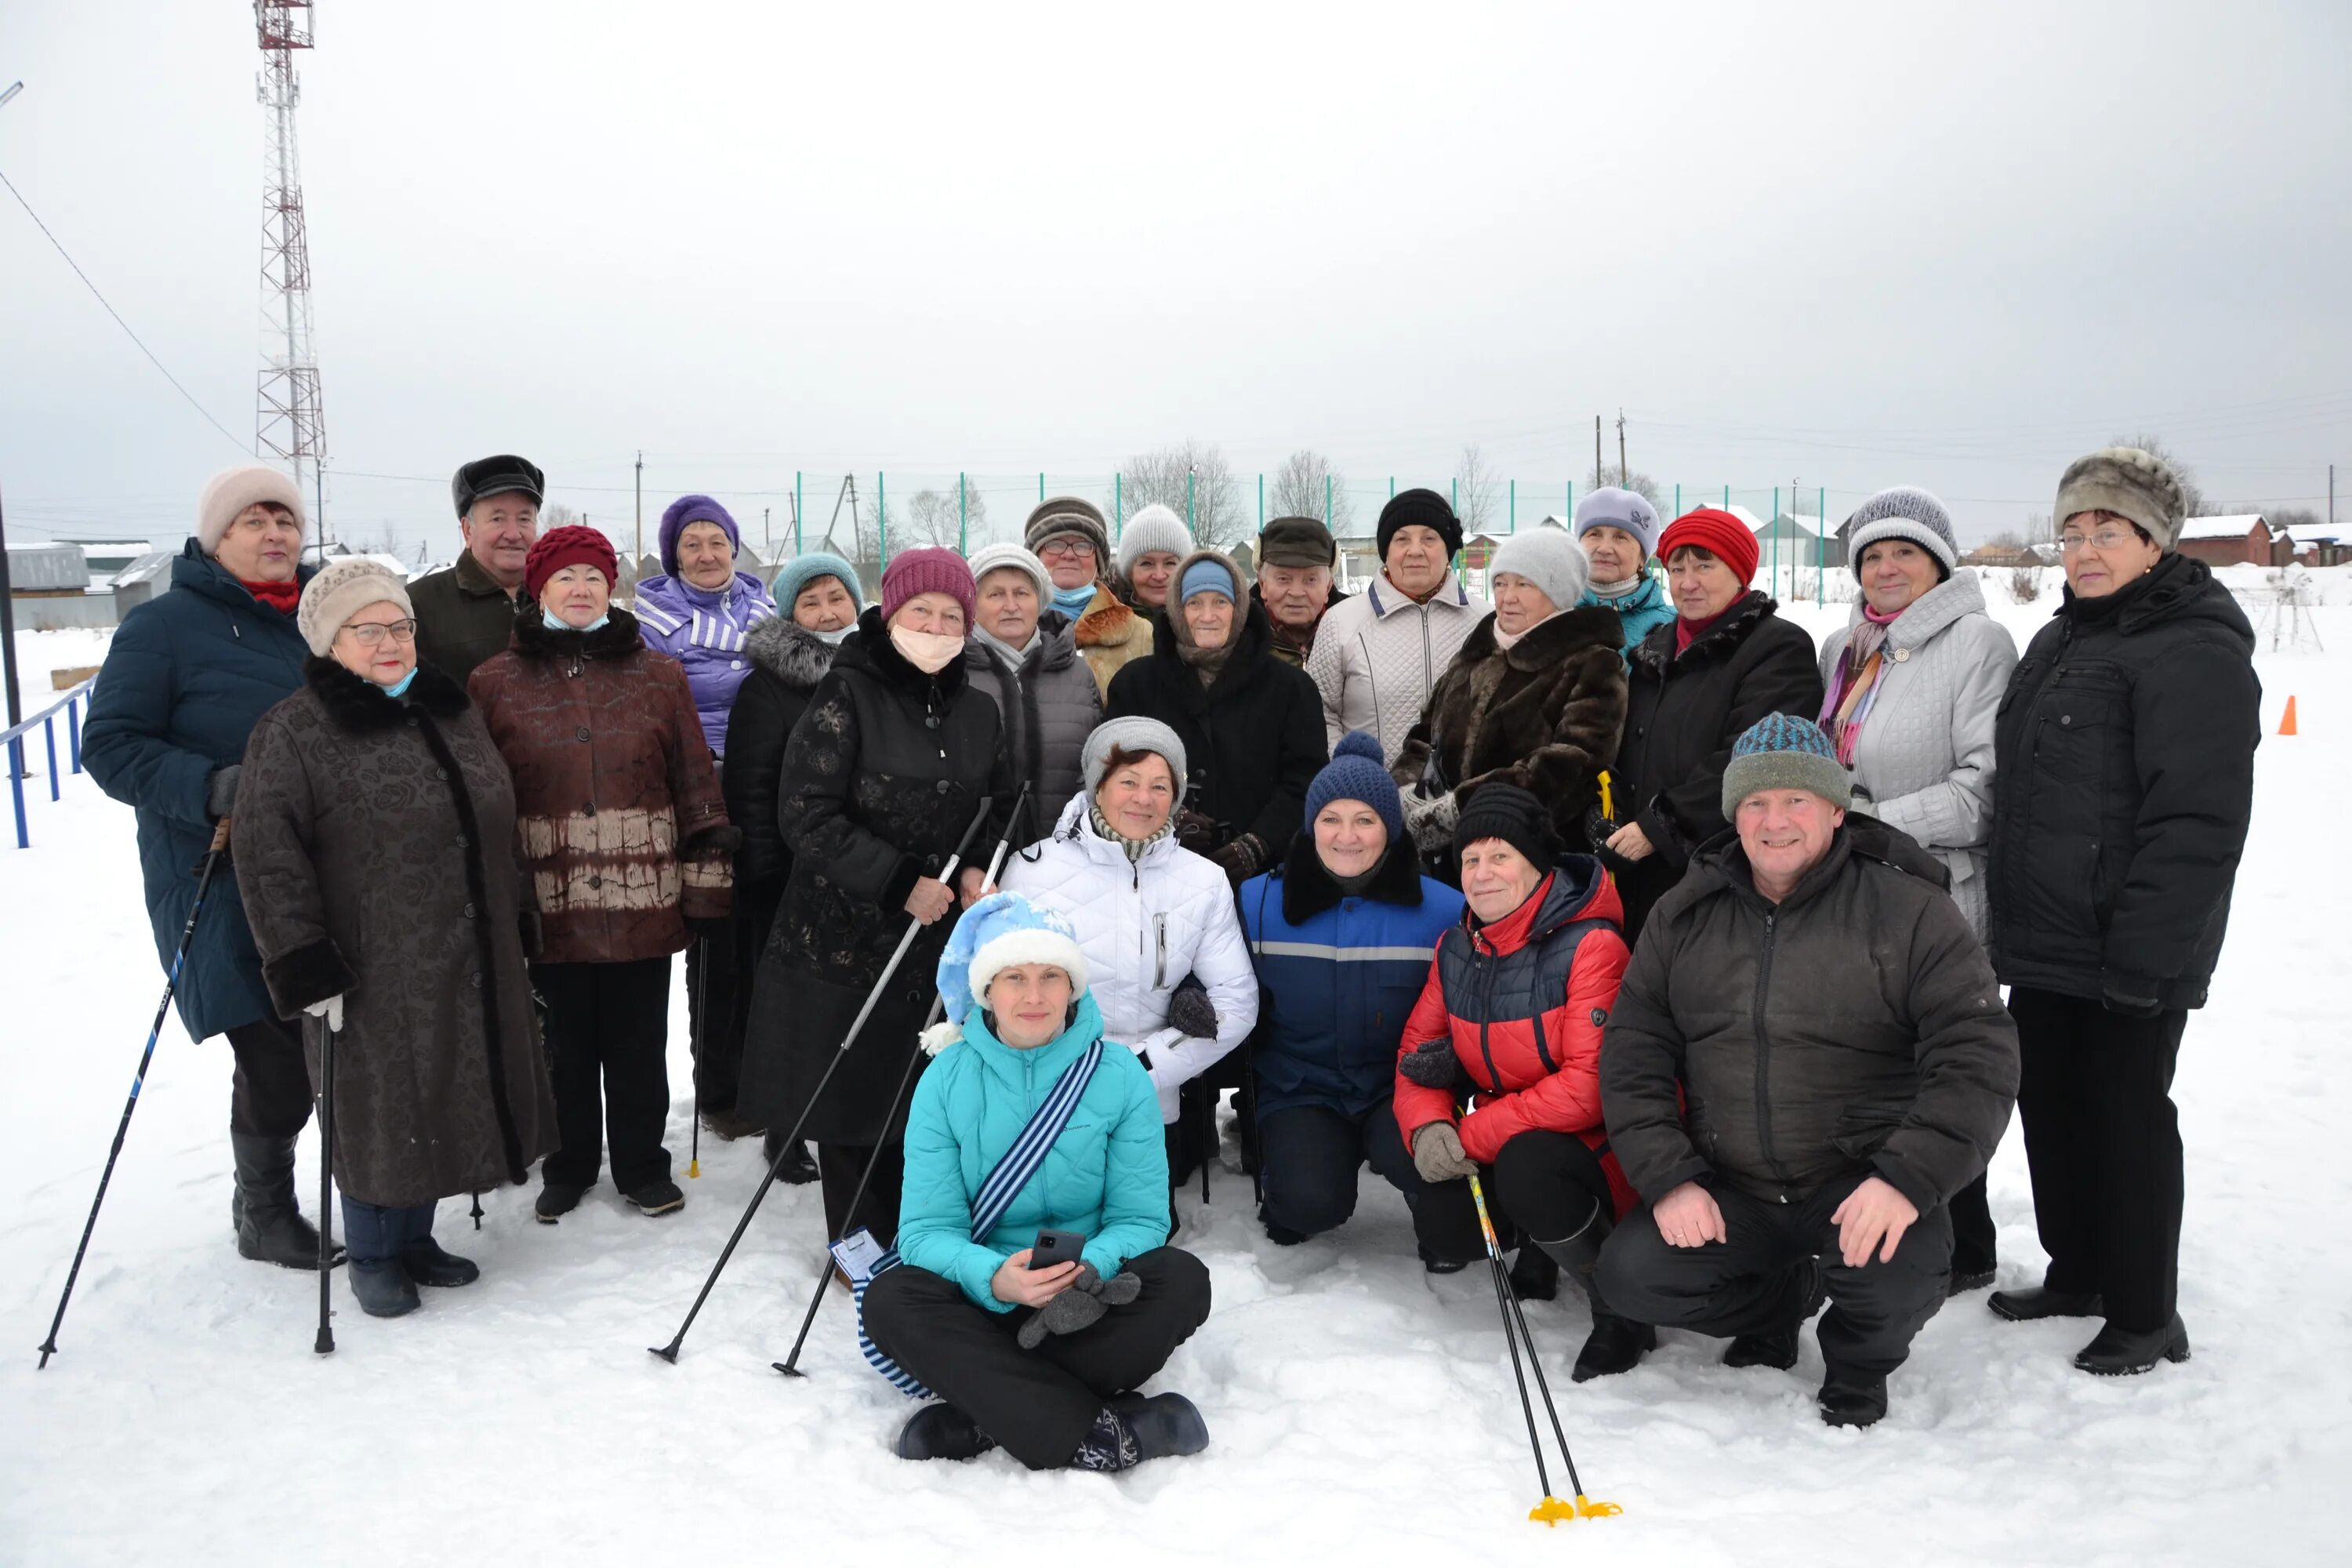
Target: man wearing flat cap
x=465 y=612
x=1295 y=558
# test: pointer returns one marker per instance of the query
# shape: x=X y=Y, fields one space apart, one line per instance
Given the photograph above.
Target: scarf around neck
x=1072 y=602
x=1133 y=846
x=1505 y=641
x=282 y=597
x=1855 y=690
x=1607 y=591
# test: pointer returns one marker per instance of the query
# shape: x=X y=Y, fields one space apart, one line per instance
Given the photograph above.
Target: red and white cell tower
x=292 y=418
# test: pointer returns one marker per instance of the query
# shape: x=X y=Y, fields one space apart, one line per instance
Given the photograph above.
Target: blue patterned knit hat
x=1779 y=751
x=1358 y=770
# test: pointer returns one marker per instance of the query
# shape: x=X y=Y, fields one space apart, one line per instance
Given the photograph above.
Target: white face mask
x=835 y=636
x=929 y=652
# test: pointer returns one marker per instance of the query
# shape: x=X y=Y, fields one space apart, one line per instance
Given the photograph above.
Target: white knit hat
x=339 y=590
x=231 y=491
x=1904 y=512
x=1005 y=553
x=1156 y=527
x=1550 y=558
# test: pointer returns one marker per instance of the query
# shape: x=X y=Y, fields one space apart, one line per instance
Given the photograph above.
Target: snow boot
x=1433 y=1264
x=2038 y=1302
x=1534 y=1275
x=656 y=1198
x=799 y=1168
x=1615 y=1344
x=378 y=1280
x=1967 y=1279
x=1851 y=1399
x=2120 y=1353
x=1777 y=1347
x=1165 y=1425
x=730 y=1124
x=423 y=1259
x=269 y=1227
x=557 y=1199
x=942 y=1432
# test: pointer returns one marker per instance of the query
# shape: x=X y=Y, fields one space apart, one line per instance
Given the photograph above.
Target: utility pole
x=638 y=553
x=766 y=541
x=1622 y=471
x=1597 y=471
x=8 y=592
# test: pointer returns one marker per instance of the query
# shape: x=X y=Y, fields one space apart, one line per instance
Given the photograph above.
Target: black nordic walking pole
x=699 y=1033
x=131 y=1103
x=1514 y=1330
x=325 y=1344
x=790 y=1366
x=668 y=1352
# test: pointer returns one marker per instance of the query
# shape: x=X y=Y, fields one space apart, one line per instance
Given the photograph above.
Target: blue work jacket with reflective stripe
x=1335 y=991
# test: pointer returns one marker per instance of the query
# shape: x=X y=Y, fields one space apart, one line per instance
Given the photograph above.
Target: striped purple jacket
x=705 y=632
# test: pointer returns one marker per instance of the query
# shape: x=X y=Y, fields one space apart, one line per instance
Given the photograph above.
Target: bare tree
x=937 y=517
x=1193 y=481
x=2193 y=496
x=1639 y=483
x=1304 y=486
x=557 y=516
x=1475 y=491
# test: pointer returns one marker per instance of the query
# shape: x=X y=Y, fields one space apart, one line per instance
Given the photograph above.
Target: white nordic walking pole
x=668 y=1352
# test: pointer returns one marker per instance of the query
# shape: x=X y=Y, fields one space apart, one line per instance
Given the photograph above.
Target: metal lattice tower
x=291 y=418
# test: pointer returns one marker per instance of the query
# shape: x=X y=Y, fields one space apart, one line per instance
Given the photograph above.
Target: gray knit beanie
x=1004 y=555
x=1133 y=734
x=342 y=589
x=1610 y=506
x=2130 y=483
x=1549 y=558
x=1156 y=527
x=1781 y=752
x=1903 y=513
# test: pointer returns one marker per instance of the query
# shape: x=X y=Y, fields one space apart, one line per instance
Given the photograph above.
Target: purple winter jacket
x=704 y=631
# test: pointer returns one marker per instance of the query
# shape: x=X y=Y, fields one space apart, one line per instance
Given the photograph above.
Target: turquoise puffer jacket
x=1106 y=1177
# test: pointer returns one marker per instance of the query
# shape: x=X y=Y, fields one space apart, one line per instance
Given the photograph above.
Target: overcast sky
x=1844 y=246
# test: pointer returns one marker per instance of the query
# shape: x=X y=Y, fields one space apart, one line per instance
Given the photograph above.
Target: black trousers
x=1308 y=1159
x=1975 y=1243
x=269 y=1095
x=607 y=1037
x=1542 y=1185
x=1751 y=1283
x=2103 y=1143
x=838 y=1167
x=1036 y=1404
x=719 y=973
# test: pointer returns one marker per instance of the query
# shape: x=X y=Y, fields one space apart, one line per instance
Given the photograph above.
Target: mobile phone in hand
x=1055 y=1247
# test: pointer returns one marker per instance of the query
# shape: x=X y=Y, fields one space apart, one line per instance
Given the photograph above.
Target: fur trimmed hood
x=791 y=652
x=357 y=706
x=1656 y=651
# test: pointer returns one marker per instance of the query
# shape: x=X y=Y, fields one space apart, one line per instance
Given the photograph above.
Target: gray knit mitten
x=220 y=790
x=1190 y=1009
x=1437 y=1153
x=1080 y=1306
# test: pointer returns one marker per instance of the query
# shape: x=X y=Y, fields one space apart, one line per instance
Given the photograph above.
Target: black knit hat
x=1425 y=508
x=1510 y=813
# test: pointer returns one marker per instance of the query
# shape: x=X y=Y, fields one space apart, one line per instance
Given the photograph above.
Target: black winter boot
x=1850 y=1399
x=799 y=1168
x=1616 y=1344
x=1166 y=1426
x=1534 y=1275
x=2120 y=1353
x=378 y=1281
x=423 y=1259
x=2038 y=1302
x=555 y=1200
x=942 y=1432
x=269 y=1227
x=1777 y=1347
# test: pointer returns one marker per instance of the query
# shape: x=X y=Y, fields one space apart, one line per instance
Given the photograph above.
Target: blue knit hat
x=1358 y=772
x=999 y=931
x=802 y=570
x=688 y=510
x=1208 y=574
x=1779 y=751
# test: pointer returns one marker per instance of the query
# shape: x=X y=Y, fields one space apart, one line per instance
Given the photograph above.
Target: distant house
x=2243 y=538
x=2322 y=544
x=49 y=589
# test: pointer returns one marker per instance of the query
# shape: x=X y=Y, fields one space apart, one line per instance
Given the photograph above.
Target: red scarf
x=279 y=596
x=1688 y=631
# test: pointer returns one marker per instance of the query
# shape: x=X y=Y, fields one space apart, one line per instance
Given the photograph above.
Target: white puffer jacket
x=1144 y=925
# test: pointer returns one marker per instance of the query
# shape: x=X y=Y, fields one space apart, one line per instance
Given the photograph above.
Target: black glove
x=1242 y=858
x=1196 y=832
x=220 y=790
x=711 y=929
x=1432 y=1065
x=2133 y=995
x=1190 y=1009
x=1080 y=1306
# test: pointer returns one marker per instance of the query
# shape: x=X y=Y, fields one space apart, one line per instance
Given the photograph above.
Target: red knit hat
x=1719 y=533
x=914 y=572
x=572 y=545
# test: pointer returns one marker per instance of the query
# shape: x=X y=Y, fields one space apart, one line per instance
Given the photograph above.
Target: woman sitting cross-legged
x=1025 y=1123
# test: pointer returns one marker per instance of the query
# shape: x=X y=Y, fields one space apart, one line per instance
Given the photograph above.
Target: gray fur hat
x=1903 y=513
x=2138 y=486
x=1131 y=734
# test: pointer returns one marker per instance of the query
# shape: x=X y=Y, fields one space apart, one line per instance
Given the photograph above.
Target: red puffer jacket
x=1524 y=1001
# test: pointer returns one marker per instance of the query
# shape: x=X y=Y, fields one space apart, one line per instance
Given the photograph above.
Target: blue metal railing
x=70 y=705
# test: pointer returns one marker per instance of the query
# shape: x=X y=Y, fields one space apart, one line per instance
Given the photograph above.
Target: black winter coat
x=1856 y=1027
x=881 y=777
x=787 y=662
x=189 y=674
x=1682 y=714
x=1254 y=740
x=2123 y=785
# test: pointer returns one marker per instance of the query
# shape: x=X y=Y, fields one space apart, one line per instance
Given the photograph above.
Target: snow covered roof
x=2236 y=526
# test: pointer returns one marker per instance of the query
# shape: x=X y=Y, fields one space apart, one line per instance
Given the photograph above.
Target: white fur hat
x=231 y=491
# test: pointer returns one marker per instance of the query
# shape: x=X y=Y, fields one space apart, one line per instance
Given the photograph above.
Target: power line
x=119 y=321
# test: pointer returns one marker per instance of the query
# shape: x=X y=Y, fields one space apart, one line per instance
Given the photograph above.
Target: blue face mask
x=400 y=688
x=553 y=625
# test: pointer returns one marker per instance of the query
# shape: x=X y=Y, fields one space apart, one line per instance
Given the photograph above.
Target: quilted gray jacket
x=1050 y=704
x=1924 y=757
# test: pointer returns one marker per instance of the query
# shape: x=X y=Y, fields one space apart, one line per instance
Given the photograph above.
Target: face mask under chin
x=929 y=652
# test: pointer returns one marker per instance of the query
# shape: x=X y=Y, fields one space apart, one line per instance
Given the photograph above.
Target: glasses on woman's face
x=1066 y=549
x=2107 y=539
x=371 y=634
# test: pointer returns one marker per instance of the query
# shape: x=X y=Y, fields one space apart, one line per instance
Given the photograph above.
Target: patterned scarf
x=1855 y=690
x=1134 y=846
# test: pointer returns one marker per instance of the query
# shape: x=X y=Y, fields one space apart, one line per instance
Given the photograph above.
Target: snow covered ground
x=1359 y=1409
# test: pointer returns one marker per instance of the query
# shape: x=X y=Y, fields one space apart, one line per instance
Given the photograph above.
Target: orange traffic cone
x=2286 y=724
